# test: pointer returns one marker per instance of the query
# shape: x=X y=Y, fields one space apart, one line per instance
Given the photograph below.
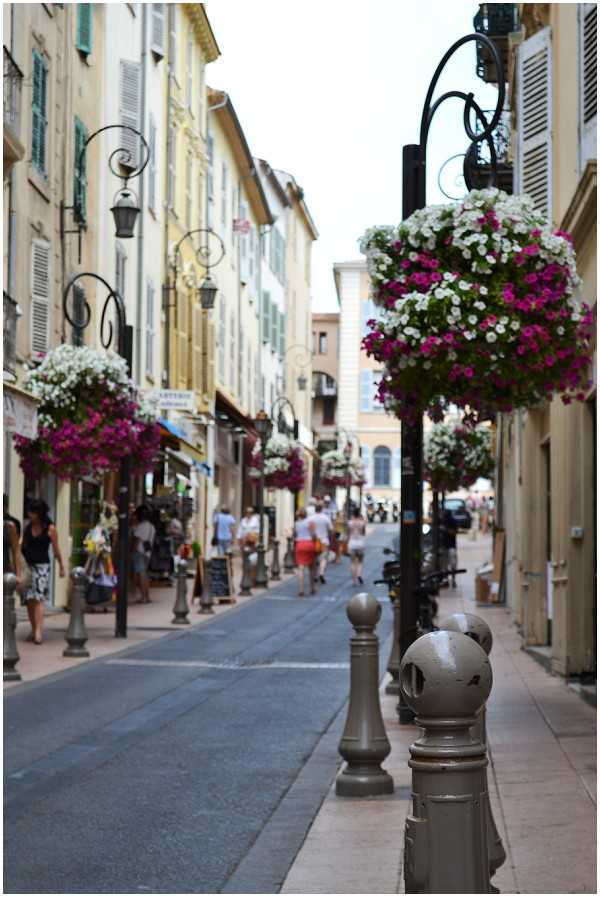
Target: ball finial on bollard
x=471 y=625
x=364 y=611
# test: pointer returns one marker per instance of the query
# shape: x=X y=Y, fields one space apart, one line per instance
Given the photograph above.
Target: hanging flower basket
x=335 y=467
x=476 y=307
x=456 y=456
x=89 y=418
x=284 y=464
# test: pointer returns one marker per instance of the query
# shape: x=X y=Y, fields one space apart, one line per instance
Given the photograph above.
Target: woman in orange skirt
x=304 y=537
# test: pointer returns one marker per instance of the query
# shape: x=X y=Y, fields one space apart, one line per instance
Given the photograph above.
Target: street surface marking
x=232 y=665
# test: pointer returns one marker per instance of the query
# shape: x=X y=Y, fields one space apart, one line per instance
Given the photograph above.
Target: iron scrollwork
x=81 y=318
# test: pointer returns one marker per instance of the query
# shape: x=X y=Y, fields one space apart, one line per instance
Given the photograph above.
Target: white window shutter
x=40 y=296
x=157 y=35
x=366 y=389
x=366 y=460
x=588 y=73
x=130 y=75
x=534 y=110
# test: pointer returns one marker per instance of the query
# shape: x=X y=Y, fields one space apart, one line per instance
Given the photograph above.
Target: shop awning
x=169 y=429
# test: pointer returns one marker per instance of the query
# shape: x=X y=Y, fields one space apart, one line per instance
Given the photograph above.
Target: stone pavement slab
x=542 y=755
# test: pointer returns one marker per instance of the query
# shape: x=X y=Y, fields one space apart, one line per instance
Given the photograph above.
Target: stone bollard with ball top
x=393 y=665
x=275 y=565
x=364 y=744
x=206 y=598
x=77 y=636
x=181 y=608
x=11 y=654
x=289 y=564
x=246 y=581
x=446 y=678
x=478 y=630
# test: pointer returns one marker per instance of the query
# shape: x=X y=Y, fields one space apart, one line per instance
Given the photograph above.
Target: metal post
x=393 y=665
x=246 y=583
x=275 y=567
x=11 y=654
x=435 y=529
x=478 y=630
x=446 y=678
x=288 y=559
x=76 y=635
x=262 y=578
x=206 y=598
x=181 y=608
x=364 y=744
x=126 y=351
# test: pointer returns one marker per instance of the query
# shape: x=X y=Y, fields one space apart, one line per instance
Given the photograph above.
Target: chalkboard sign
x=218 y=578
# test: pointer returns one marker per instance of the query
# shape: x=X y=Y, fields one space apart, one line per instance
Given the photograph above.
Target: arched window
x=382 y=462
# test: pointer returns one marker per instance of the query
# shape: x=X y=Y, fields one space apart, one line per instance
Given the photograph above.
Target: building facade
x=325 y=375
x=359 y=412
x=547 y=456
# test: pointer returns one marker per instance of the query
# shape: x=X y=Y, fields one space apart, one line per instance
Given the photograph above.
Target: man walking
x=223 y=534
x=323 y=529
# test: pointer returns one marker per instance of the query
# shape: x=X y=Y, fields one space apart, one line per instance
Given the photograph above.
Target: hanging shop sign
x=172 y=399
x=20 y=413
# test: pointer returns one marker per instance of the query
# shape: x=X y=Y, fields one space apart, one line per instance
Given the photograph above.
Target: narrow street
x=160 y=767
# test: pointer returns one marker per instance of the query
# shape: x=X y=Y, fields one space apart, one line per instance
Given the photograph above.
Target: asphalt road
x=194 y=763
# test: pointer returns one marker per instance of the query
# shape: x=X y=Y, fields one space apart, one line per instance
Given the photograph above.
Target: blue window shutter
x=80 y=174
x=366 y=460
x=281 y=334
x=366 y=390
x=38 y=124
x=83 y=41
x=396 y=469
x=266 y=317
x=381 y=466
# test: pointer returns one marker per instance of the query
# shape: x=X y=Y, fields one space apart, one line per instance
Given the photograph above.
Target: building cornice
x=203 y=31
x=580 y=218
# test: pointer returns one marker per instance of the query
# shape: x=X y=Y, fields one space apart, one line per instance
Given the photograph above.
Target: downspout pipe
x=140 y=234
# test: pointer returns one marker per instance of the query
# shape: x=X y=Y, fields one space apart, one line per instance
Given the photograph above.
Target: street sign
x=241 y=226
x=172 y=399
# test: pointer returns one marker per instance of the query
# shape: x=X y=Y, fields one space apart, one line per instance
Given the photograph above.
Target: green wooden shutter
x=80 y=173
x=266 y=317
x=84 y=27
x=38 y=123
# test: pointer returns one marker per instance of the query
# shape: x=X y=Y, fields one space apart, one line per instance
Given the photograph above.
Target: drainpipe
x=12 y=214
x=140 y=235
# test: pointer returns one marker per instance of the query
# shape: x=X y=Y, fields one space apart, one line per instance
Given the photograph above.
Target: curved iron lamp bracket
x=304 y=353
x=203 y=253
x=124 y=154
x=277 y=415
x=107 y=328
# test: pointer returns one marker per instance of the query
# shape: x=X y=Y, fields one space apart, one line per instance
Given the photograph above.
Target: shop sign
x=20 y=415
x=172 y=399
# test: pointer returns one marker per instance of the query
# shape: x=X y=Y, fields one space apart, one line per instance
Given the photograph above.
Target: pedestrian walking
x=248 y=530
x=12 y=552
x=304 y=537
x=449 y=533
x=323 y=530
x=143 y=541
x=224 y=523
x=357 y=529
x=38 y=535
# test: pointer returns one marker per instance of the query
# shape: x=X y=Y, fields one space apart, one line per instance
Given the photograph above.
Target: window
x=78 y=315
x=83 y=40
x=232 y=351
x=173 y=29
x=313 y=344
x=150 y=329
x=188 y=191
x=396 y=469
x=588 y=71
x=222 y=339
x=223 y=199
x=322 y=343
x=266 y=317
x=80 y=175
x=157 y=37
x=130 y=84
x=171 y=167
x=281 y=334
x=40 y=296
x=367 y=311
x=366 y=389
x=152 y=164
x=200 y=94
x=382 y=466
x=328 y=410
x=189 y=70
x=534 y=111
x=365 y=454
x=274 y=328
x=39 y=105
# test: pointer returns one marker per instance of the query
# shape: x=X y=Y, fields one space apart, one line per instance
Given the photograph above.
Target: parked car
x=460 y=512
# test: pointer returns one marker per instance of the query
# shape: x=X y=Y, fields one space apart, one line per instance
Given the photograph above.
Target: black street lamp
x=117 y=333
x=414 y=179
x=126 y=206
x=302 y=360
x=264 y=427
x=208 y=257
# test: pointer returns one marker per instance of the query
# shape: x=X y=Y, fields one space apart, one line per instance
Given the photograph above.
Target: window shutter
x=266 y=317
x=78 y=315
x=197 y=349
x=40 y=297
x=189 y=70
x=183 y=340
x=171 y=164
x=150 y=294
x=84 y=27
x=129 y=110
x=366 y=389
x=396 y=469
x=38 y=122
x=173 y=24
x=157 y=38
x=534 y=110
x=80 y=174
x=366 y=460
x=152 y=165
x=274 y=328
x=281 y=334
x=588 y=71
x=188 y=191
x=222 y=339
x=232 y=342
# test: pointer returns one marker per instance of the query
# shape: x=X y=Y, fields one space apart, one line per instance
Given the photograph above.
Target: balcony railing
x=13 y=80
x=324 y=386
x=11 y=316
x=496 y=21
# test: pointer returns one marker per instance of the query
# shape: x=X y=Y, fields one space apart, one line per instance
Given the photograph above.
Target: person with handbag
x=39 y=534
x=323 y=530
x=143 y=540
x=304 y=537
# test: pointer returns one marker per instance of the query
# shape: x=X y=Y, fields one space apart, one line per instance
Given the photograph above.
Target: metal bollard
x=181 y=608
x=393 y=665
x=262 y=575
x=76 y=633
x=11 y=654
x=364 y=744
x=446 y=678
x=246 y=583
x=480 y=632
x=206 y=598
x=275 y=567
x=289 y=561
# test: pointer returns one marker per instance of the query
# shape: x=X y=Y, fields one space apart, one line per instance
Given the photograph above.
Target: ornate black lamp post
x=264 y=427
x=414 y=160
x=301 y=360
x=208 y=257
x=115 y=333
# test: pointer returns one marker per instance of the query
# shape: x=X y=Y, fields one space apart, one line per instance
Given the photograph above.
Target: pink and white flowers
x=283 y=463
x=478 y=307
x=457 y=455
x=335 y=467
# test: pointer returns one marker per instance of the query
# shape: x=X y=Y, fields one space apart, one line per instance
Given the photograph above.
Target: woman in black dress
x=38 y=536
